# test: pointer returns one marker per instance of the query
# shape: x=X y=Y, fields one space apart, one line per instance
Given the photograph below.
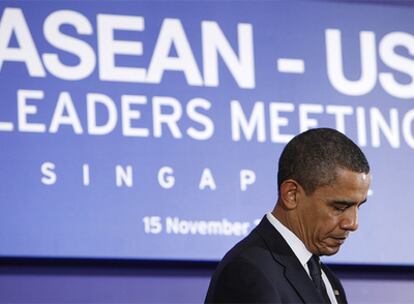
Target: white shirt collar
x=299 y=249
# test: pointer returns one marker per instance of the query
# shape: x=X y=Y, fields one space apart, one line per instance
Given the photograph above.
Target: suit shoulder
x=240 y=280
x=246 y=273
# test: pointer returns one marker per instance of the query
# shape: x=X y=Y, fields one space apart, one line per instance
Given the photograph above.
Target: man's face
x=327 y=215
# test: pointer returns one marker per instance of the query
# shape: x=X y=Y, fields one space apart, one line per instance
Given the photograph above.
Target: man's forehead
x=348 y=174
x=349 y=186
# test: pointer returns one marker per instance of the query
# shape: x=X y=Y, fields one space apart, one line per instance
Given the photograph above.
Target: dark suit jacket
x=263 y=268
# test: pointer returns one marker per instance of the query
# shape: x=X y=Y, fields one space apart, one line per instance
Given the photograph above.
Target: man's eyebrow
x=363 y=202
x=347 y=203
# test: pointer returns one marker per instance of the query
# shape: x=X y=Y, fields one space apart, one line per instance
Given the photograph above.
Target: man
x=323 y=179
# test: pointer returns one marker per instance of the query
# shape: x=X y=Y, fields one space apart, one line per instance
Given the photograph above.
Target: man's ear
x=289 y=194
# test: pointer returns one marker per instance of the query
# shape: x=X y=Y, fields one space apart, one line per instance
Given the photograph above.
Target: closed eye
x=341 y=205
x=340 y=208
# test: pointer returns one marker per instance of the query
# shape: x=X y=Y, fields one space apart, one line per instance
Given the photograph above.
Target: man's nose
x=350 y=220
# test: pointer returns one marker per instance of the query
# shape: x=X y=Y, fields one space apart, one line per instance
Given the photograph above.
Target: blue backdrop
x=151 y=130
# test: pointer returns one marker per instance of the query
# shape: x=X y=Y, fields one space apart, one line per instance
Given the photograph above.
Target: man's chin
x=329 y=250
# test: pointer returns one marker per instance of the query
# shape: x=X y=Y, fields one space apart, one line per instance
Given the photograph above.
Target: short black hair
x=312 y=158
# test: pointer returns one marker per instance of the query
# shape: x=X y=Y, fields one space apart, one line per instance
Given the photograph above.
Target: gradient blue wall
x=91 y=282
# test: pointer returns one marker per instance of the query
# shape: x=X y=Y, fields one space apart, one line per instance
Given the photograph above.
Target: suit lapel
x=300 y=281
x=283 y=254
x=336 y=285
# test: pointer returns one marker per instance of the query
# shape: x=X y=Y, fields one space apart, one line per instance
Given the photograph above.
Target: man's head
x=323 y=178
x=311 y=158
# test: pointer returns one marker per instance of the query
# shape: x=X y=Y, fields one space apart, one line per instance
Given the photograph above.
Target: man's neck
x=287 y=218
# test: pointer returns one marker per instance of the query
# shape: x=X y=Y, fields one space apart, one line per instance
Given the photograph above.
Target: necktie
x=316 y=275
